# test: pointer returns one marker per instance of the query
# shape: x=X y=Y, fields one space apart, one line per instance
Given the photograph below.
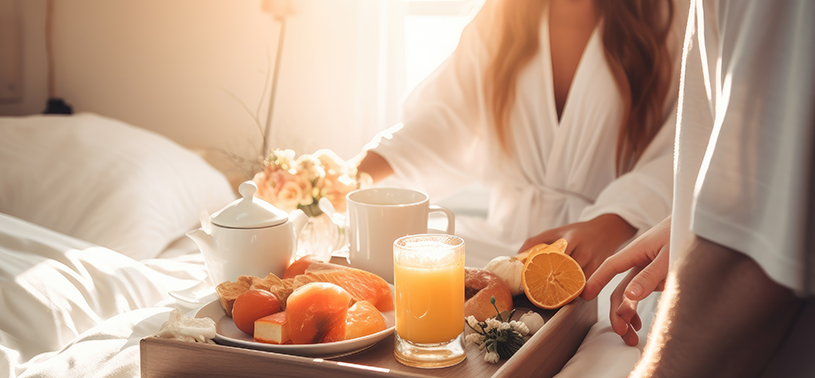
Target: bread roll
x=479 y=286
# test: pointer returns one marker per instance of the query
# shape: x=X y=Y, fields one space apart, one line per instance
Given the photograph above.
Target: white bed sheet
x=70 y=185
x=74 y=309
x=71 y=308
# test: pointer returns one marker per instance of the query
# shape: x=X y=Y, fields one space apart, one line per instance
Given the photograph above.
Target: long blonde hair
x=634 y=35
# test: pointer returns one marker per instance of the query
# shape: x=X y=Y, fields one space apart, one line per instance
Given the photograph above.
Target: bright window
x=432 y=31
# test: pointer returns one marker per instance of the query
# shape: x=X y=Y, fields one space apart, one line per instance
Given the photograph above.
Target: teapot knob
x=247 y=189
x=249 y=211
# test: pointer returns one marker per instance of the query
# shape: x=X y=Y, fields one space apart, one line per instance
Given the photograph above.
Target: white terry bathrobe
x=559 y=171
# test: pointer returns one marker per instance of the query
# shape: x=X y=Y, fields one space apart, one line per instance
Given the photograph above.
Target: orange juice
x=429 y=288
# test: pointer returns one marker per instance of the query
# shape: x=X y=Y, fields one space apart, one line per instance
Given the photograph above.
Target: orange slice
x=552 y=279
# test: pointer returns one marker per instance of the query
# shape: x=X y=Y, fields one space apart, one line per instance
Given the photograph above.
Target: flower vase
x=321 y=236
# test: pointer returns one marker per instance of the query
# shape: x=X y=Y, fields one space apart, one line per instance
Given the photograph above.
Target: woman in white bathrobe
x=529 y=106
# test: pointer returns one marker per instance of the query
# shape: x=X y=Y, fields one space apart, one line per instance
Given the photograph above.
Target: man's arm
x=726 y=321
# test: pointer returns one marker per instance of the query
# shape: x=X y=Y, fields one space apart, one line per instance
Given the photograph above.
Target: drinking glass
x=429 y=288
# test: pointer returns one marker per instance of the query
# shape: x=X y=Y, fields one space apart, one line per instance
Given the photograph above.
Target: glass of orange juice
x=429 y=287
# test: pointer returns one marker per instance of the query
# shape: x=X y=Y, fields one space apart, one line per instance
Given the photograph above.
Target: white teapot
x=248 y=237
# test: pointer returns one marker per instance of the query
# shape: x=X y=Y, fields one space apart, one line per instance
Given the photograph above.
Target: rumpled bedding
x=74 y=309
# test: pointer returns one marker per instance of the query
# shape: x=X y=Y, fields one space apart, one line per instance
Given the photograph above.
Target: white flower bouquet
x=499 y=338
x=290 y=183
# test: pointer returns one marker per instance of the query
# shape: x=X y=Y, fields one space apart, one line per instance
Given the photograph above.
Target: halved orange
x=552 y=279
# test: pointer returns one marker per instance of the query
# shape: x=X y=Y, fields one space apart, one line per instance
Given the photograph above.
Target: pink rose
x=337 y=188
x=287 y=183
x=265 y=190
x=289 y=196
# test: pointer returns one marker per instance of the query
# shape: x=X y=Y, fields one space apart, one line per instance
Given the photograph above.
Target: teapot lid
x=249 y=211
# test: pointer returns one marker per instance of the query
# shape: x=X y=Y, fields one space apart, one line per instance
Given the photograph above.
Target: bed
x=93 y=213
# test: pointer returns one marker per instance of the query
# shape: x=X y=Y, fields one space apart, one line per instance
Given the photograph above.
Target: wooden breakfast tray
x=544 y=355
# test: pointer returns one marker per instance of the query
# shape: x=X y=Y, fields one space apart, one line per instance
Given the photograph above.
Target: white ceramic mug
x=378 y=216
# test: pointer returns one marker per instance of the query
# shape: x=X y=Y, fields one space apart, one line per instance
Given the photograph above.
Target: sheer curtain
x=348 y=65
x=432 y=30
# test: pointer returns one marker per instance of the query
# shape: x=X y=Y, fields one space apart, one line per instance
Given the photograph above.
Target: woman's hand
x=647 y=258
x=372 y=164
x=591 y=242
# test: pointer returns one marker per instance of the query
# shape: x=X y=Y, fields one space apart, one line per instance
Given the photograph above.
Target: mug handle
x=451 y=219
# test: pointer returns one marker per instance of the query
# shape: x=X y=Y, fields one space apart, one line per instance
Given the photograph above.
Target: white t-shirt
x=744 y=156
x=745 y=133
x=561 y=170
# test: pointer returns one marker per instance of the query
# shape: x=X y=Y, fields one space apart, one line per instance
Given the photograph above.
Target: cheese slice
x=272 y=329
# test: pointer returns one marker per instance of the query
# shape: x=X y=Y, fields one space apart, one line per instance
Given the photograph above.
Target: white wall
x=166 y=65
x=31 y=22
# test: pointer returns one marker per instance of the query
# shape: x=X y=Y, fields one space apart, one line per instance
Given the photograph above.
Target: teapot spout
x=202 y=239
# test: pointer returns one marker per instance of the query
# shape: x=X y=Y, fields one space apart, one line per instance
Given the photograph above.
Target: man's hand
x=589 y=243
x=647 y=258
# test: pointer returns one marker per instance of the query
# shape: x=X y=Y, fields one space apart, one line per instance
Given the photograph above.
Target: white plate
x=200 y=293
x=228 y=334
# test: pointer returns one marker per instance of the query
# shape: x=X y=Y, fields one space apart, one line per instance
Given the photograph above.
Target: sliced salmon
x=362 y=285
x=362 y=319
x=314 y=308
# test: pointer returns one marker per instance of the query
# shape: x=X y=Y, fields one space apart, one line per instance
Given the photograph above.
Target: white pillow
x=104 y=181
